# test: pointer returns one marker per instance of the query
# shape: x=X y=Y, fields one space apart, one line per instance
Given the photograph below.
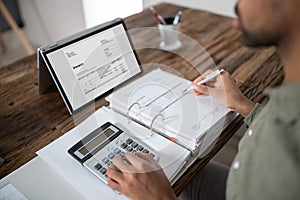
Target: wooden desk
x=29 y=121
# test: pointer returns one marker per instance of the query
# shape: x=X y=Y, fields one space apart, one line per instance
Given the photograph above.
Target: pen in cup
x=177 y=17
x=158 y=18
x=208 y=78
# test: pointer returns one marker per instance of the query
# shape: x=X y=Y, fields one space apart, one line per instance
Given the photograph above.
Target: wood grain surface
x=29 y=121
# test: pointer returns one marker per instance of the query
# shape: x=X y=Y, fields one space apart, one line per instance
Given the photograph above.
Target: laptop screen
x=84 y=68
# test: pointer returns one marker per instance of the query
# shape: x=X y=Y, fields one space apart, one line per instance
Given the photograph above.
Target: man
x=267 y=165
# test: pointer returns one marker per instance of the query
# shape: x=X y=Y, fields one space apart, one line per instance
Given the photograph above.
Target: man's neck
x=290 y=55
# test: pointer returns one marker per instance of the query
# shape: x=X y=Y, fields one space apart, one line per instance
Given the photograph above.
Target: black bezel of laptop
x=43 y=51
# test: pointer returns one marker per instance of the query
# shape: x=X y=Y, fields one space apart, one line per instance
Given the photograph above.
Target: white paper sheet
x=55 y=155
x=9 y=192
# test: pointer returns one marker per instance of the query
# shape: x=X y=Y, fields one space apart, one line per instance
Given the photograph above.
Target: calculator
x=96 y=151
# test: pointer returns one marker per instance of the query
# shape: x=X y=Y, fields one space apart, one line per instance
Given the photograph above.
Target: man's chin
x=249 y=39
x=252 y=42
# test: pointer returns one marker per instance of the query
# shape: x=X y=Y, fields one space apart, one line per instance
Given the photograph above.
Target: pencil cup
x=169 y=34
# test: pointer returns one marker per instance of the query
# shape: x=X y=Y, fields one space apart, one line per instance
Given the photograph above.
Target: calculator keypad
x=99 y=163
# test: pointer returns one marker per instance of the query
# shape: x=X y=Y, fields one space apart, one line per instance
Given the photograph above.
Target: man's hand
x=139 y=177
x=225 y=91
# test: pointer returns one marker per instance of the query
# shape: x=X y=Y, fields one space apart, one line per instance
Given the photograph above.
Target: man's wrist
x=245 y=107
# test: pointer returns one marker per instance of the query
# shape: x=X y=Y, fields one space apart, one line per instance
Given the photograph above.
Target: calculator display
x=88 y=147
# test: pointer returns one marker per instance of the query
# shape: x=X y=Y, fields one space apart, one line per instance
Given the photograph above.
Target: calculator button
x=145 y=151
x=123 y=145
x=129 y=141
x=117 y=151
x=151 y=154
x=122 y=154
x=140 y=148
x=134 y=144
x=109 y=163
x=111 y=155
x=134 y=151
x=102 y=171
x=105 y=160
x=129 y=148
x=97 y=166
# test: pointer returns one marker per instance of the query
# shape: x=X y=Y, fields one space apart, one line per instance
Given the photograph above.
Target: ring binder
x=128 y=117
x=160 y=112
x=153 y=120
x=161 y=102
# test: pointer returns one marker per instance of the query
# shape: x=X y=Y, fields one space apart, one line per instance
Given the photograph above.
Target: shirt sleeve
x=252 y=115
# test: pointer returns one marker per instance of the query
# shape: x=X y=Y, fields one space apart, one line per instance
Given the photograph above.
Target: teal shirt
x=267 y=165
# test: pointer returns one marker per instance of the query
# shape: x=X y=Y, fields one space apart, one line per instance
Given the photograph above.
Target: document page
x=84 y=59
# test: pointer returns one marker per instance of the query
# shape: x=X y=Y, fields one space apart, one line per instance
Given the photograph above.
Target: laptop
x=87 y=65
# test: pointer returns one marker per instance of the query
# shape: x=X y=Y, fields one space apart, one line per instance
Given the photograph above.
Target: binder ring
x=128 y=117
x=152 y=122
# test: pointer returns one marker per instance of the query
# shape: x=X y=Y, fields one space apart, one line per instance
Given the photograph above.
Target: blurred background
x=44 y=21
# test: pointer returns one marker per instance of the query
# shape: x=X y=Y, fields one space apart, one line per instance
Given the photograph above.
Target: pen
x=207 y=78
x=158 y=18
x=177 y=17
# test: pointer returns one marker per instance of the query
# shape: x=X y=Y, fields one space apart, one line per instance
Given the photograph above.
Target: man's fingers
x=142 y=162
x=146 y=157
x=201 y=89
x=114 y=174
x=113 y=184
x=200 y=78
x=121 y=164
x=134 y=160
